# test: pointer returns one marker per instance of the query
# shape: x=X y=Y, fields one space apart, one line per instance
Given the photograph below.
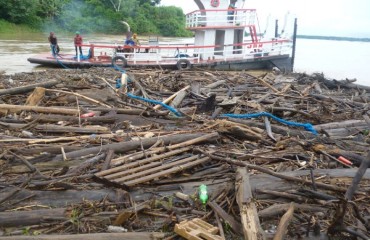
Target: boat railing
x=167 y=53
x=224 y=17
x=244 y=51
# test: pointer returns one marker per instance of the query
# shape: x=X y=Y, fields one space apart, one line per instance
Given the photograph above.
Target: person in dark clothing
x=53 y=43
x=129 y=41
x=78 y=42
x=231 y=11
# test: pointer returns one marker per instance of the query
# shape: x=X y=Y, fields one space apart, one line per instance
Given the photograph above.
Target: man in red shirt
x=78 y=42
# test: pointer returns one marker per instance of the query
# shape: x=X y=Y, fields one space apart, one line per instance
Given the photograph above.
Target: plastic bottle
x=203 y=193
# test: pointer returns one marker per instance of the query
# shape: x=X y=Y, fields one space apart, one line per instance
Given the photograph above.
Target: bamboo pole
x=18 y=108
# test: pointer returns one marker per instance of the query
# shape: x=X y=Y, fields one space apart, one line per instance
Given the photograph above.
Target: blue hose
x=306 y=126
x=56 y=58
x=119 y=84
x=177 y=113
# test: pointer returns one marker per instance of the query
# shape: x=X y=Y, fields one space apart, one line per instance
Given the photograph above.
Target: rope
x=82 y=57
x=119 y=84
x=306 y=126
x=177 y=113
x=55 y=56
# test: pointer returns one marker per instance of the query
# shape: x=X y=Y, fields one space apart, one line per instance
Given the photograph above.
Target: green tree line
x=90 y=16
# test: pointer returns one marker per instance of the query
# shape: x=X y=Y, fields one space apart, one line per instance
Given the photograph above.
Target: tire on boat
x=183 y=64
x=119 y=62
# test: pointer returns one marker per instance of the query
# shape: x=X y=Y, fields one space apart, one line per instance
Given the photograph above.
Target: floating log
x=279 y=209
x=9 y=108
x=131 y=145
x=52 y=118
x=28 y=88
x=95 y=236
x=60 y=199
x=51 y=128
x=33 y=217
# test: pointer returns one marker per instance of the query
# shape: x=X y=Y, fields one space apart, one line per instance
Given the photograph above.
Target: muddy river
x=310 y=57
x=16 y=48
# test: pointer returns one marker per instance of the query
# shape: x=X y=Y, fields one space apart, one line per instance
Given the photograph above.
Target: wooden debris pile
x=98 y=154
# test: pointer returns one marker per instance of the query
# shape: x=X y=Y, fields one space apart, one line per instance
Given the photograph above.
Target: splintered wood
x=282 y=156
x=145 y=173
x=197 y=229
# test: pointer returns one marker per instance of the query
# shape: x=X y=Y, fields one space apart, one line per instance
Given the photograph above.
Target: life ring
x=183 y=64
x=116 y=62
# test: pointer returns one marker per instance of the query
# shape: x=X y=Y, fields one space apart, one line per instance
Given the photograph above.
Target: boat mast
x=294 y=42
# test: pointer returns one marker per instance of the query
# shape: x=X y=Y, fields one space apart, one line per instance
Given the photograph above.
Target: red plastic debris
x=344 y=160
x=86 y=115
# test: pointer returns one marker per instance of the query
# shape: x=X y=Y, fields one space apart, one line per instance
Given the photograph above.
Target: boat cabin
x=225 y=38
x=228 y=30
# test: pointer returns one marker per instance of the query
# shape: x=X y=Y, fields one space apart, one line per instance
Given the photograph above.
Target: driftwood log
x=127 y=146
x=95 y=236
x=28 y=88
x=251 y=225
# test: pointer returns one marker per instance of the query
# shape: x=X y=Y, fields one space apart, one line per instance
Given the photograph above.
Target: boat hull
x=282 y=62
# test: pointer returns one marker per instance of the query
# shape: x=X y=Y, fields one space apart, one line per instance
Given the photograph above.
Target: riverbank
x=85 y=156
x=7 y=28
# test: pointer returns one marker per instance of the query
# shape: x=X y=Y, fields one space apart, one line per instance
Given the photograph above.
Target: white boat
x=224 y=39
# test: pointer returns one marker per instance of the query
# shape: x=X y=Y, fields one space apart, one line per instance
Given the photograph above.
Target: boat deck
x=146 y=60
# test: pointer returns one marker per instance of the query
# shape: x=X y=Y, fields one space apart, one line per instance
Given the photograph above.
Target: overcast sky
x=347 y=18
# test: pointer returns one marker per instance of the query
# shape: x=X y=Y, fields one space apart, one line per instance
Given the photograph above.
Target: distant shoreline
x=353 y=39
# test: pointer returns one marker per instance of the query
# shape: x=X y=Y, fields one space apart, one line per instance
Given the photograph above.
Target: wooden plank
x=140 y=163
x=170 y=98
x=203 y=138
x=235 y=225
x=131 y=145
x=166 y=172
x=18 y=108
x=151 y=170
x=248 y=211
x=197 y=229
x=134 y=171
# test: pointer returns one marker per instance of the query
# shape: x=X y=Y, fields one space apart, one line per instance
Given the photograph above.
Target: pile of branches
x=96 y=153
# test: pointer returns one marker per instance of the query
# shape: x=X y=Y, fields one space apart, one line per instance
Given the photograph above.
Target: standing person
x=129 y=41
x=136 y=41
x=53 y=43
x=129 y=44
x=231 y=11
x=78 y=42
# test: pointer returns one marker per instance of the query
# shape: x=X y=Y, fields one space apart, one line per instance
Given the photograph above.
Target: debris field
x=158 y=154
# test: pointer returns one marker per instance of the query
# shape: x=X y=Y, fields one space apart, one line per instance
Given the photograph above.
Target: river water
x=335 y=59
